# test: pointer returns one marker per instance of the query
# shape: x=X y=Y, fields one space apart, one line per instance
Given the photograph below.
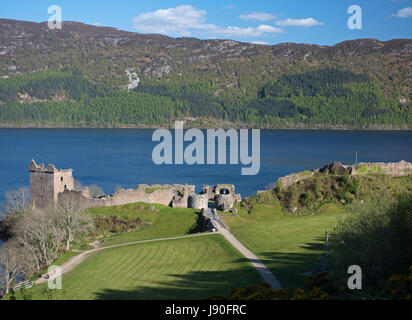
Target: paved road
x=76 y=260
x=264 y=272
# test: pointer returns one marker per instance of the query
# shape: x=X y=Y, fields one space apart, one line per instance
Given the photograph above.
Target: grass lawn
x=193 y=268
x=288 y=245
x=165 y=221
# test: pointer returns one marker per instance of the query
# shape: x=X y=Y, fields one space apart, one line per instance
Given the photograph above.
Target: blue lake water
x=123 y=157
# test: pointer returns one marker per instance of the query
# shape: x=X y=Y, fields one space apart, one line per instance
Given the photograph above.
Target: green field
x=197 y=267
x=165 y=221
x=192 y=268
x=288 y=245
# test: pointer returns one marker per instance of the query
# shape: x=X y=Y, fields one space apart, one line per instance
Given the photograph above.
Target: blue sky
x=272 y=21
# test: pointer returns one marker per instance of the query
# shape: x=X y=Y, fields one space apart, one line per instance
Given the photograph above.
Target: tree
x=72 y=220
x=10 y=266
x=41 y=233
x=77 y=185
x=17 y=201
x=377 y=236
x=96 y=191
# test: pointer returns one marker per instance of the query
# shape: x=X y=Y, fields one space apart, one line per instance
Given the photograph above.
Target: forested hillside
x=102 y=77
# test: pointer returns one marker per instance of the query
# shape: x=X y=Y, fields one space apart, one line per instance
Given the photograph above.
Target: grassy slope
x=192 y=268
x=197 y=267
x=288 y=245
x=166 y=222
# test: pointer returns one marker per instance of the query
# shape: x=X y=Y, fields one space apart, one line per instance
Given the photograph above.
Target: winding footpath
x=264 y=271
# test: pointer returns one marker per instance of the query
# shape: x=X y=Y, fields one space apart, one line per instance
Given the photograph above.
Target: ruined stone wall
x=168 y=195
x=197 y=201
x=229 y=189
x=49 y=186
x=63 y=180
x=286 y=181
x=401 y=168
x=41 y=189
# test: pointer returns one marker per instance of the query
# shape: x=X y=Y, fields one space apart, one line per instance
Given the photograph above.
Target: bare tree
x=73 y=220
x=26 y=261
x=41 y=233
x=77 y=185
x=10 y=264
x=25 y=235
x=96 y=191
x=17 y=201
x=2 y=281
x=49 y=236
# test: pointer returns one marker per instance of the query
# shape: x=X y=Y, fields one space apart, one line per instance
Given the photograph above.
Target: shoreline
x=153 y=127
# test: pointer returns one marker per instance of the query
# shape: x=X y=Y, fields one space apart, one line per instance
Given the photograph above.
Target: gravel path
x=264 y=272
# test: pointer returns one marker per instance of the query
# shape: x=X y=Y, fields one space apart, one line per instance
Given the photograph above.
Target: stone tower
x=47 y=183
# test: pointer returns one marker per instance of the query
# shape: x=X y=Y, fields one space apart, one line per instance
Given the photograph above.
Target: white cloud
x=242 y=32
x=260 y=42
x=309 y=22
x=184 y=20
x=260 y=16
x=404 y=13
x=170 y=21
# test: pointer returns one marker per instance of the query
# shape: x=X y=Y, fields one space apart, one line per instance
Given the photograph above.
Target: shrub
x=279 y=185
x=305 y=199
x=399 y=286
x=377 y=236
x=115 y=224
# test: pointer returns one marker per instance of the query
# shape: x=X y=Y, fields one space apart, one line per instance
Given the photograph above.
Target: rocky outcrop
x=335 y=168
x=134 y=80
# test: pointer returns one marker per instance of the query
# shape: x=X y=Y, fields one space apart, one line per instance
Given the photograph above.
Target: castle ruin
x=401 y=168
x=47 y=183
x=50 y=186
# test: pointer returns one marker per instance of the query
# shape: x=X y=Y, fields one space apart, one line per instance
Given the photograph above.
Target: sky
x=323 y=22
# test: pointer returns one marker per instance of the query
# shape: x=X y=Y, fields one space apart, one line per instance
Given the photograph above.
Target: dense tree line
x=325 y=96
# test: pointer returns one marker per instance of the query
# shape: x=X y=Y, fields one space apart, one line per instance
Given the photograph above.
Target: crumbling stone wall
x=226 y=189
x=168 y=195
x=401 y=168
x=49 y=186
x=197 y=201
x=223 y=202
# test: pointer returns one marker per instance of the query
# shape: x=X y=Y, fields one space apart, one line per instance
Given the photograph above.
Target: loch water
x=113 y=158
